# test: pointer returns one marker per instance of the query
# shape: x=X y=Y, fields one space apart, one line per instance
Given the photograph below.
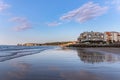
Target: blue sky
x=40 y=21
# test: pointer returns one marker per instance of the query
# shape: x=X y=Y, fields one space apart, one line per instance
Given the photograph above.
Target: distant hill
x=48 y=44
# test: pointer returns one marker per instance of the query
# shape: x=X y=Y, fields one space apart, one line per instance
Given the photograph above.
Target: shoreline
x=94 y=45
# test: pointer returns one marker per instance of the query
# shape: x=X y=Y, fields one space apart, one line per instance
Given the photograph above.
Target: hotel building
x=98 y=37
x=91 y=37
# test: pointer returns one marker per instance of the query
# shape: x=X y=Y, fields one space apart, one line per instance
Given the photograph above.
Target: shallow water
x=61 y=64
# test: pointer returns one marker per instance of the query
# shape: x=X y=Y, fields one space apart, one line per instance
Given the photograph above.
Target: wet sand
x=109 y=50
x=59 y=64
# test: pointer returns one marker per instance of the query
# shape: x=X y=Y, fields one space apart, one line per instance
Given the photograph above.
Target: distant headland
x=63 y=43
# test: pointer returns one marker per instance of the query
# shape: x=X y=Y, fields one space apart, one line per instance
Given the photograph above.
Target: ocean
x=11 y=52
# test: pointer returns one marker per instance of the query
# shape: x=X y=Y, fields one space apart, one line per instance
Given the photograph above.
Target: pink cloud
x=22 y=23
x=3 y=6
x=84 y=13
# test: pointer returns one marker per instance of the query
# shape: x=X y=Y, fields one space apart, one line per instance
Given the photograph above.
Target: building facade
x=112 y=37
x=91 y=37
x=119 y=37
x=98 y=37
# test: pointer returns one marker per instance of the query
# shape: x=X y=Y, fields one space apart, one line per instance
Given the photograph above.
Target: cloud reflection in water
x=20 y=71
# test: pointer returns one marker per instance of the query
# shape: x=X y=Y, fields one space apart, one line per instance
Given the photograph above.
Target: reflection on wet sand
x=96 y=56
x=80 y=75
x=20 y=71
x=63 y=65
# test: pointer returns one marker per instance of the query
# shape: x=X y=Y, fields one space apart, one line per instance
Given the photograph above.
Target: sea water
x=11 y=52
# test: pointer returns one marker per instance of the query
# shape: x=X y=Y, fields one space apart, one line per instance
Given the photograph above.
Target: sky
x=40 y=21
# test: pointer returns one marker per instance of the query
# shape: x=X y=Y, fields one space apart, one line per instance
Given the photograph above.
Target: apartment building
x=96 y=37
x=91 y=37
x=119 y=37
x=112 y=36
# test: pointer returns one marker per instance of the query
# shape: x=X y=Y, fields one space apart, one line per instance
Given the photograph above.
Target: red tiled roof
x=108 y=33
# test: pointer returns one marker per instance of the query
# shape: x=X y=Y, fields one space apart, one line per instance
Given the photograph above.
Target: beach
x=109 y=50
x=64 y=64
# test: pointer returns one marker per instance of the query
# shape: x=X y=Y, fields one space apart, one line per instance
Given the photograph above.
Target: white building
x=112 y=36
x=91 y=37
x=119 y=37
